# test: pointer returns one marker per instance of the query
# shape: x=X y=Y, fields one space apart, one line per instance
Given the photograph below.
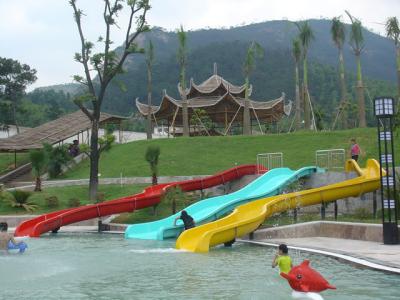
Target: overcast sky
x=42 y=33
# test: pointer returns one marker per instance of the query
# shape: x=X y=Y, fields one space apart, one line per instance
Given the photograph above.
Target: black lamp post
x=384 y=112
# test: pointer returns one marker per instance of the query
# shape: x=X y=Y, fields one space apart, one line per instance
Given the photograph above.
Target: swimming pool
x=105 y=266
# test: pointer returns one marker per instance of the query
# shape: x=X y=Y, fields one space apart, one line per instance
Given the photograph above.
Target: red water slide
x=149 y=197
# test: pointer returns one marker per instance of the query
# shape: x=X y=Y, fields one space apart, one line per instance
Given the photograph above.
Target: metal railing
x=269 y=161
x=331 y=159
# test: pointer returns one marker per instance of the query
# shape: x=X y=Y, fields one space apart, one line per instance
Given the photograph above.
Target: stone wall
x=341 y=230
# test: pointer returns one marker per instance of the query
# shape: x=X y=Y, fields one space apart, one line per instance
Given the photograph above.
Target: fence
x=331 y=159
x=269 y=161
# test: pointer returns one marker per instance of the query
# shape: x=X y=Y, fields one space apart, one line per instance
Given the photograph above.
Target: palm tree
x=253 y=52
x=338 y=33
x=306 y=35
x=151 y=156
x=182 y=37
x=357 y=43
x=39 y=162
x=149 y=63
x=393 y=32
x=296 y=52
x=20 y=198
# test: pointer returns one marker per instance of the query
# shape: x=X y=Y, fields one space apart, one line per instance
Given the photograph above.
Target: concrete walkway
x=372 y=252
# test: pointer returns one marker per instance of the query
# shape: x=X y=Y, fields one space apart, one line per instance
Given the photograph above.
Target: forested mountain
x=273 y=75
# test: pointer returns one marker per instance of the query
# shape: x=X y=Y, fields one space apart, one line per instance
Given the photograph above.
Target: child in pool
x=282 y=259
x=187 y=220
x=5 y=238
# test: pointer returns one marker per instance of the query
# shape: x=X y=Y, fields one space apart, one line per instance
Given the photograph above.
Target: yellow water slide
x=248 y=217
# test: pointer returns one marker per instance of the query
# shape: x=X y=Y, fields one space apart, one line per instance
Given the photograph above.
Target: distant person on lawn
x=355 y=150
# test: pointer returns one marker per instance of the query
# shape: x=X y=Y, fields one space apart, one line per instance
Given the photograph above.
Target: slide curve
x=248 y=217
x=207 y=210
x=149 y=197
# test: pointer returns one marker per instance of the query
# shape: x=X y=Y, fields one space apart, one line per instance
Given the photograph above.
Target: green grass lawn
x=65 y=193
x=207 y=155
x=7 y=161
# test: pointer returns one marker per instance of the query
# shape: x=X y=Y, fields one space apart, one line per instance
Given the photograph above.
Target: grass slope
x=65 y=193
x=207 y=155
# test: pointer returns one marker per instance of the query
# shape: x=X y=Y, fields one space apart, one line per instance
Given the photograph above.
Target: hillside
x=272 y=76
x=207 y=155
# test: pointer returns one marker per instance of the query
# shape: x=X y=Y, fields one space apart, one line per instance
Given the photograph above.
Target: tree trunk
x=360 y=95
x=94 y=159
x=149 y=88
x=14 y=109
x=246 y=118
x=298 y=109
x=38 y=184
x=343 y=105
x=246 y=111
x=154 y=180
x=342 y=114
x=185 y=118
x=307 y=120
x=398 y=73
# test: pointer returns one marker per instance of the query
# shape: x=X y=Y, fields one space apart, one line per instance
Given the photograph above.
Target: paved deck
x=370 y=254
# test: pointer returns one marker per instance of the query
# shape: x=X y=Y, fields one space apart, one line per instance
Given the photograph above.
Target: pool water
x=105 y=266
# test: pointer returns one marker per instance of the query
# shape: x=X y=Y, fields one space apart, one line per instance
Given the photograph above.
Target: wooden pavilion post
x=168 y=127
x=226 y=118
x=120 y=131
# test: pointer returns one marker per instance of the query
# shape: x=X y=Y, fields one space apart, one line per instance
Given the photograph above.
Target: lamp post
x=384 y=113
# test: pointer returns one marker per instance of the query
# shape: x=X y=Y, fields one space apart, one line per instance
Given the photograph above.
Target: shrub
x=362 y=213
x=100 y=197
x=52 y=202
x=151 y=156
x=74 y=202
x=308 y=218
x=57 y=156
x=172 y=196
x=20 y=199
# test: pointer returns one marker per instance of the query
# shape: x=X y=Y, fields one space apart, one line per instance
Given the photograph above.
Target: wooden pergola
x=55 y=132
x=222 y=101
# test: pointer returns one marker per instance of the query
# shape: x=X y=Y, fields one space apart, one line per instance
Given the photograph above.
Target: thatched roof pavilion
x=222 y=101
x=53 y=132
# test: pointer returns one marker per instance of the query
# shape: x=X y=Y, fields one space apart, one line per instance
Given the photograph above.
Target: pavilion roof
x=217 y=107
x=53 y=132
x=212 y=85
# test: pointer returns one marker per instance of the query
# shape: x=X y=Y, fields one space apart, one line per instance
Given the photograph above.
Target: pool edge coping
x=344 y=257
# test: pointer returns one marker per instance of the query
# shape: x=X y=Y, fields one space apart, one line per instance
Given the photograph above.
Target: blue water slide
x=269 y=184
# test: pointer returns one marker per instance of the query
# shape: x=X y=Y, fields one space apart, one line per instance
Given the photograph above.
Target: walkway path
x=371 y=252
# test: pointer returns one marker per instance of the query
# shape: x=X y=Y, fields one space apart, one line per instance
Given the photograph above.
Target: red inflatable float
x=303 y=278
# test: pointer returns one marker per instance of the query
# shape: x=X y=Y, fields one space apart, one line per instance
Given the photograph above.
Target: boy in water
x=282 y=259
x=187 y=220
x=5 y=238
